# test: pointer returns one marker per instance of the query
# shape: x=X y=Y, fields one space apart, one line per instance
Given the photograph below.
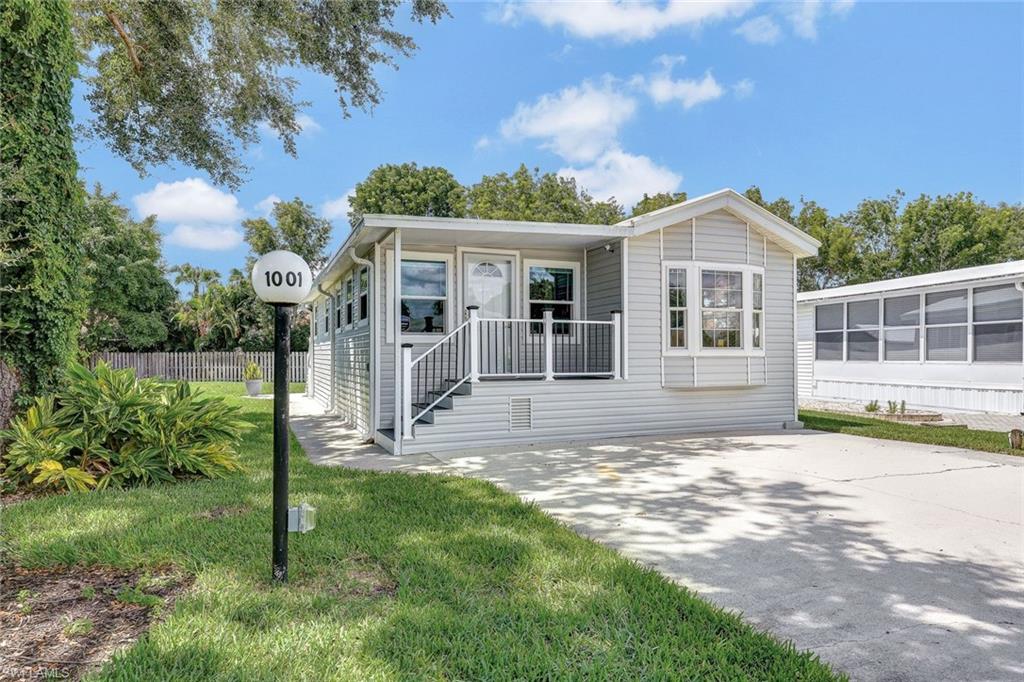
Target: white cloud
x=743 y=89
x=625 y=176
x=188 y=201
x=207 y=238
x=663 y=88
x=623 y=21
x=483 y=143
x=578 y=123
x=266 y=206
x=332 y=209
x=803 y=17
x=760 y=30
x=307 y=124
x=842 y=7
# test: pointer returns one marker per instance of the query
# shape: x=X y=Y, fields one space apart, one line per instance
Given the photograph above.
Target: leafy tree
x=407 y=189
x=41 y=287
x=130 y=300
x=655 y=201
x=189 y=80
x=199 y=278
x=297 y=228
x=527 y=195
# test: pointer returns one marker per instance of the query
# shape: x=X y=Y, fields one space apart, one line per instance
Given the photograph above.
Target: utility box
x=301 y=519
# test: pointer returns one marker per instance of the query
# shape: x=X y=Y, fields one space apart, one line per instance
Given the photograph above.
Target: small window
x=364 y=293
x=554 y=288
x=997 y=324
x=337 y=311
x=676 y=307
x=945 y=318
x=424 y=294
x=327 y=315
x=758 y=315
x=862 y=331
x=721 y=309
x=349 y=298
x=902 y=328
x=828 y=335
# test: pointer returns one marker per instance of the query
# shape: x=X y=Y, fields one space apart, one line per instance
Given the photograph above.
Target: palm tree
x=200 y=278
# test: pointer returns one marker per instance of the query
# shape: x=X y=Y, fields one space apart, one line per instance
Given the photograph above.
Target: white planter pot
x=253 y=386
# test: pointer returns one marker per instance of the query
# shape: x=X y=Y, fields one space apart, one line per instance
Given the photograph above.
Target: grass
x=238 y=387
x=954 y=436
x=405 y=577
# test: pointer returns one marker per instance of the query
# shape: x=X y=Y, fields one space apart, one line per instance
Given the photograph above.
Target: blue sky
x=833 y=102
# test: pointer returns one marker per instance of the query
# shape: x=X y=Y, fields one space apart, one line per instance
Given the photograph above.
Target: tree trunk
x=9 y=383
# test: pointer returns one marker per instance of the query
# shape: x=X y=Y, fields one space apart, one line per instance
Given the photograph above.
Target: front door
x=488 y=284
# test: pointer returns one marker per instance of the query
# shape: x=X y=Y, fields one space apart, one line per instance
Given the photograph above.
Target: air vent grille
x=520 y=414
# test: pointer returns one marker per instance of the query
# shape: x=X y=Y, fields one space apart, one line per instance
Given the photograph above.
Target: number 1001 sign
x=281 y=277
x=276 y=279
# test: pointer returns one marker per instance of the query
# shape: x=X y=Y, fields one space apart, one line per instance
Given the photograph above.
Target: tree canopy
x=192 y=80
x=655 y=201
x=296 y=228
x=130 y=300
x=531 y=195
x=407 y=189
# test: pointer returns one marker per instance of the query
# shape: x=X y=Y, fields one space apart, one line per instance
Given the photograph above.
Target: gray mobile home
x=433 y=334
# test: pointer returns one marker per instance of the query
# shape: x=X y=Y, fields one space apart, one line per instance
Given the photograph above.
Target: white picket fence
x=203 y=366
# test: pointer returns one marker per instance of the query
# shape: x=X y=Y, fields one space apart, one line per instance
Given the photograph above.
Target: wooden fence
x=204 y=366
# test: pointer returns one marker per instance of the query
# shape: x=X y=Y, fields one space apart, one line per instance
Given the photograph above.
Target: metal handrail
x=445 y=338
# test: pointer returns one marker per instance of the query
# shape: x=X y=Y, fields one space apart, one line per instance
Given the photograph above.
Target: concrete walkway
x=893 y=561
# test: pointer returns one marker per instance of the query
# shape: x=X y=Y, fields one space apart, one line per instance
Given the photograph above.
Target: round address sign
x=281 y=277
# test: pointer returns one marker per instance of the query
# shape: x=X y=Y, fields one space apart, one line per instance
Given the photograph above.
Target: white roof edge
x=978 y=272
x=799 y=241
x=513 y=226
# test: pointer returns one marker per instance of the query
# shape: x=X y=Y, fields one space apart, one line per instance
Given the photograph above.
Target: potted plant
x=253 y=376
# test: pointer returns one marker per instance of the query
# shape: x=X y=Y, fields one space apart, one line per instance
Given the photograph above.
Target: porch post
x=474 y=343
x=549 y=349
x=407 y=390
x=617 y=343
x=395 y=289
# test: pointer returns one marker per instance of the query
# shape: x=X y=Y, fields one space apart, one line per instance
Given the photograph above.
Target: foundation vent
x=520 y=414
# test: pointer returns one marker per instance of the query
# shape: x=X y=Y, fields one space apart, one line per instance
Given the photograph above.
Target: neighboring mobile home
x=496 y=332
x=947 y=340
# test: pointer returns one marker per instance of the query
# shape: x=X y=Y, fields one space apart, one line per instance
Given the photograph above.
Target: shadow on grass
x=480 y=584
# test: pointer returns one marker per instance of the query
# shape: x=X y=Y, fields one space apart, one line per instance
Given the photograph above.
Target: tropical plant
x=109 y=428
x=199 y=278
x=872 y=406
x=893 y=407
x=252 y=372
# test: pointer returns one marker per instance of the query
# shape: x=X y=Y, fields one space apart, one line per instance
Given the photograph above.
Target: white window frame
x=574 y=305
x=396 y=278
x=362 y=292
x=885 y=329
x=339 y=320
x=669 y=309
x=348 y=296
x=969 y=333
x=975 y=323
x=693 y=311
x=841 y=330
x=755 y=310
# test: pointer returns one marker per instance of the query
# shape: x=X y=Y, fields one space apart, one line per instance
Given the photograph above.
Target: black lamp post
x=282 y=279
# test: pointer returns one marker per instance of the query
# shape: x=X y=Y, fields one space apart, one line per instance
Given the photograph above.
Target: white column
x=394 y=282
x=474 y=343
x=549 y=350
x=407 y=390
x=617 y=343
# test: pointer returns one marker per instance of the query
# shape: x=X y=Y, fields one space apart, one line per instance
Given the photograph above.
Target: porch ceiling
x=491 y=239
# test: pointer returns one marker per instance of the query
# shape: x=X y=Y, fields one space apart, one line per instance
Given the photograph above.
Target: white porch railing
x=482 y=348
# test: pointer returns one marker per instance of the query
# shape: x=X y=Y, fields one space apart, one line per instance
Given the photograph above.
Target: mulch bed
x=64 y=623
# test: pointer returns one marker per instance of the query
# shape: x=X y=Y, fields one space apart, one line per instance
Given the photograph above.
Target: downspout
x=371 y=298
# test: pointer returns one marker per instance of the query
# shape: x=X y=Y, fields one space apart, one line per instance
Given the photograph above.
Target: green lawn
x=405 y=577
x=955 y=436
x=238 y=387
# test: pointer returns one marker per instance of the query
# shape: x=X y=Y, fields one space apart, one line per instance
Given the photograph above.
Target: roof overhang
x=789 y=236
x=1012 y=271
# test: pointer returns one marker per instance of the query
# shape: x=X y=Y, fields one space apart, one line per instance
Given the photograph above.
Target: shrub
x=108 y=427
x=893 y=407
x=872 y=406
x=252 y=372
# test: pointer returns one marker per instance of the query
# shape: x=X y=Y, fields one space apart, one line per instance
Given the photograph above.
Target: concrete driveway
x=892 y=561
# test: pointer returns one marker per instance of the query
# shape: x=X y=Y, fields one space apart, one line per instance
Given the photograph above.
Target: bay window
x=903 y=328
x=945 y=319
x=712 y=309
x=721 y=309
x=677 y=308
x=551 y=285
x=997 y=324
